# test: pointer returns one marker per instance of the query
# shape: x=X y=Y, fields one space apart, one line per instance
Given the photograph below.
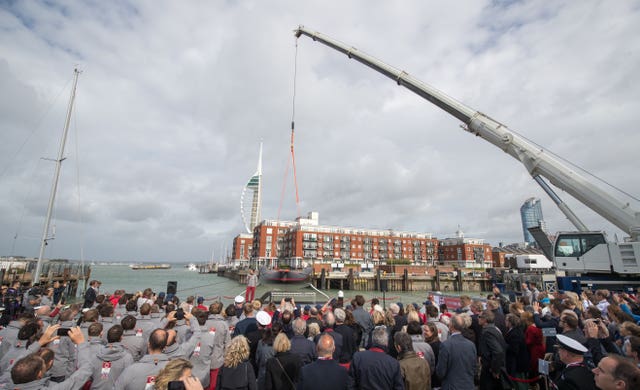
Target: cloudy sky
x=175 y=98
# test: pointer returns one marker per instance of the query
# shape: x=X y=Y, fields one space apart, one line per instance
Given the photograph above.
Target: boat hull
x=149 y=266
x=285 y=275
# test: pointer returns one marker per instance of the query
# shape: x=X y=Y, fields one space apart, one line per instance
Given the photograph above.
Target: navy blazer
x=323 y=374
x=457 y=363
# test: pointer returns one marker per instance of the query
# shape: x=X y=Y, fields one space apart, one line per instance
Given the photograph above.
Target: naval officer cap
x=571 y=345
x=239 y=299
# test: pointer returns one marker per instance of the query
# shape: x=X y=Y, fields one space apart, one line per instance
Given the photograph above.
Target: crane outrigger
x=579 y=253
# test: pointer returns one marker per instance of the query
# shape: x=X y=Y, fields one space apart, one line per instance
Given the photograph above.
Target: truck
x=583 y=258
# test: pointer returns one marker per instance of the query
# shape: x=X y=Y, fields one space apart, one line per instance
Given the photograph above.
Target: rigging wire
x=36 y=127
x=79 y=204
x=293 y=115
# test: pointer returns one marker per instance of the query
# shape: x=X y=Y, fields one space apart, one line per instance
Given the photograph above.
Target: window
x=577 y=244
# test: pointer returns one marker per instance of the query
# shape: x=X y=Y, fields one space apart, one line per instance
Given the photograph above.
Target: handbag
x=285 y=374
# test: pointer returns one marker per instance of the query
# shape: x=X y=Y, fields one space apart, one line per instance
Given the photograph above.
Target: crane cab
x=589 y=252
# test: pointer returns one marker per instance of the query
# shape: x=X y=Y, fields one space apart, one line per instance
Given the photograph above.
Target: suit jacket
x=323 y=374
x=457 y=363
x=492 y=349
x=89 y=298
x=576 y=378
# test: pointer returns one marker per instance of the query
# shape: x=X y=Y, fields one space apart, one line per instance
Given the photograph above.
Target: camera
x=287 y=299
x=63 y=331
x=180 y=314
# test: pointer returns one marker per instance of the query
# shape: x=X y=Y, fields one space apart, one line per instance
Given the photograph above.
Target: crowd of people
x=148 y=341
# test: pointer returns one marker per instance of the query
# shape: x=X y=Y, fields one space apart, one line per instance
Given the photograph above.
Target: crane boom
x=536 y=160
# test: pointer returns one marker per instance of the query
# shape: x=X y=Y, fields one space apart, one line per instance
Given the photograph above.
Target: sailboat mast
x=54 y=186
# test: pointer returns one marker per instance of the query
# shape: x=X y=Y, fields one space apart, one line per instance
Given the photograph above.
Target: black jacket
x=240 y=377
x=349 y=342
x=323 y=374
x=517 y=353
x=492 y=349
x=304 y=348
x=374 y=369
x=283 y=371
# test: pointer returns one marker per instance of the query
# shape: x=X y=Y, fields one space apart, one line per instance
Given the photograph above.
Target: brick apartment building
x=465 y=252
x=306 y=241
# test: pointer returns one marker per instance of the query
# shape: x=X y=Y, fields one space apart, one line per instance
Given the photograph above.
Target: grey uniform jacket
x=65 y=358
x=8 y=336
x=109 y=362
x=199 y=350
x=135 y=343
x=73 y=382
x=222 y=339
x=139 y=375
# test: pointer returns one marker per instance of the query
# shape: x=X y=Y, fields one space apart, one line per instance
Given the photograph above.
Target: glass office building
x=531 y=214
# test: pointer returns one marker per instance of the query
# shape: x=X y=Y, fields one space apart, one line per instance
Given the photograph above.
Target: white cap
x=239 y=299
x=571 y=345
x=263 y=318
x=340 y=294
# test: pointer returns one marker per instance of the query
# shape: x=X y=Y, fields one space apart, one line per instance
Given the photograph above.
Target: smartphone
x=176 y=385
x=288 y=299
x=63 y=331
x=180 y=314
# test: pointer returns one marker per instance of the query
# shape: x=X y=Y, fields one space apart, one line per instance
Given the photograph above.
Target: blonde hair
x=237 y=352
x=171 y=372
x=281 y=343
x=377 y=317
x=314 y=329
x=413 y=316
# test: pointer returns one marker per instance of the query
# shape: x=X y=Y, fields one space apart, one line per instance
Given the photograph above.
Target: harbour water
x=212 y=287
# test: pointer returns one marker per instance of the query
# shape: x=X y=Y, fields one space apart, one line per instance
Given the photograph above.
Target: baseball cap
x=307 y=308
x=200 y=299
x=263 y=318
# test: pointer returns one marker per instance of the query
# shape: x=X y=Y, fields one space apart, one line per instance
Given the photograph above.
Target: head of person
x=329 y=319
x=512 y=321
x=457 y=323
x=215 y=308
x=340 y=315
x=568 y=322
x=47 y=355
x=633 y=349
x=106 y=311
x=432 y=311
x=402 y=342
x=616 y=373
x=145 y=309
x=128 y=322
x=237 y=351
x=326 y=346
x=379 y=337
x=430 y=332
x=95 y=330
x=314 y=329
x=176 y=370
x=157 y=341
x=131 y=305
x=248 y=309
x=486 y=317
x=359 y=299
x=114 y=334
x=281 y=343
x=239 y=301
x=570 y=350
x=299 y=326
x=28 y=369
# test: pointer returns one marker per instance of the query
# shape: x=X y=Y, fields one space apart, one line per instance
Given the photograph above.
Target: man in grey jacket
x=457 y=361
x=132 y=339
x=142 y=375
x=217 y=324
x=200 y=348
x=363 y=319
x=29 y=372
x=110 y=361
